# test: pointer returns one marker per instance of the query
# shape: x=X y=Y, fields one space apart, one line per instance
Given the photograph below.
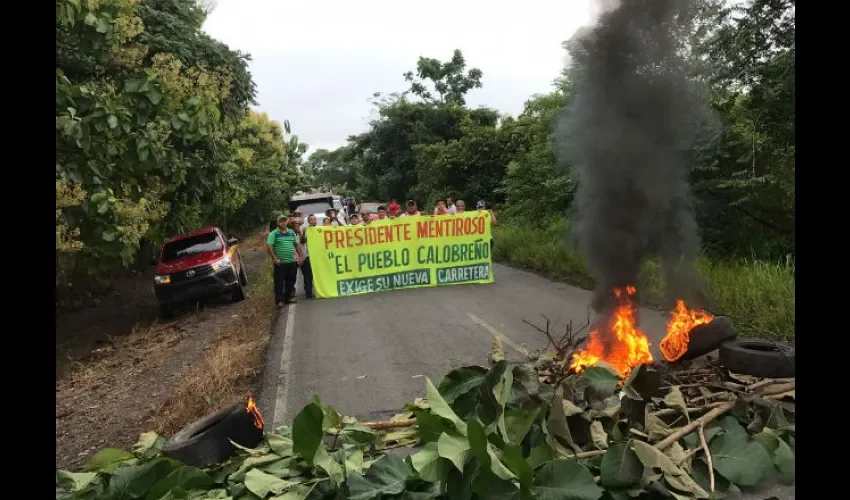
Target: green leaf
x=354 y=461
x=674 y=399
x=459 y=486
x=564 y=480
x=620 y=468
x=571 y=409
x=518 y=423
x=454 y=448
x=386 y=477
x=78 y=480
x=326 y=462
x=360 y=434
x=785 y=462
x=440 y=408
x=598 y=435
x=540 y=454
x=515 y=462
x=429 y=464
x=461 y=381
x=90 y=19
x=154 y=96
x=489 y=487
x=430 y=426
x=741 y=460
x=673 y=474
x=186 y=477
x=307 y=431
x=105 y=458
x=279 y=468
x=252 y=462
x=558 y=428
x=600 y=379
x=296 y=492
x=112 y=120
x=493 y=393
x=484 y=451
x=261 y=484
x=135 y=481
x=283 y=446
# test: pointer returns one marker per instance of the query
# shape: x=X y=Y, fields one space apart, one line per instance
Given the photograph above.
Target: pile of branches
x=507 y=430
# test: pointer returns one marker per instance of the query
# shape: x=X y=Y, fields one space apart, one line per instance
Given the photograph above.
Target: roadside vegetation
x=506 y=431
x=427 y=143
x=757 y=294
x=162 y=376
x=154 y=137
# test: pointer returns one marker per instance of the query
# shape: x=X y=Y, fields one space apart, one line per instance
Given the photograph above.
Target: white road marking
x=518 y=348
x=283 y=374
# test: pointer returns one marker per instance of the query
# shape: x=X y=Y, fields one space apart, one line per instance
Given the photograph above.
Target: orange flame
x=675 y=343
x=254 y=411
x=630 y=346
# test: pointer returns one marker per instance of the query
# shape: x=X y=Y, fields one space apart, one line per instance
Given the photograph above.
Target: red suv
x=198 y=265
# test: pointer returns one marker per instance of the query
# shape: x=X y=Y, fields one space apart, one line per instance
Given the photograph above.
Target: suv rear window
x=201 y=243
x=319 y=207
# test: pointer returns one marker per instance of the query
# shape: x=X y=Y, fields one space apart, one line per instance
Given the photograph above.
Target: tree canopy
x=427 y=144
x=154 y=135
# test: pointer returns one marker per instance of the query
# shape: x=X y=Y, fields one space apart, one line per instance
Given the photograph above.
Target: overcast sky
x=316 y=62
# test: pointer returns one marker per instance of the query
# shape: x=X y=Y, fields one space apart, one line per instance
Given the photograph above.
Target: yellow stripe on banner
x=406 y=252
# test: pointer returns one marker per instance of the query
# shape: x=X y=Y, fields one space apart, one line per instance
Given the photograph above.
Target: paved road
x=366 y=355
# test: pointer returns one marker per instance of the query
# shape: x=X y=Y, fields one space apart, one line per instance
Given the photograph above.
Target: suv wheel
x=238 y=293
x=166 y=311
x=243 y=278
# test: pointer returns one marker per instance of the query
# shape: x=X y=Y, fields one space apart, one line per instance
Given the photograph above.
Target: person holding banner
x=306 y=270
x=287 y=252
x=412 y=210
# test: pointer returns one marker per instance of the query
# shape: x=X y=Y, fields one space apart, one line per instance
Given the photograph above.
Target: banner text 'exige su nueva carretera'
x=406 y=252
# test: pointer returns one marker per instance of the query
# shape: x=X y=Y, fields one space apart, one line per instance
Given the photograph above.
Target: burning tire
x=207 y=441
x=759 y=358
x=708 y=337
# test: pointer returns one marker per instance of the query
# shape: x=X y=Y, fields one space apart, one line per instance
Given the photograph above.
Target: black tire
x=207 y=441
x=166 y=311
x=243 y=277
x=709 y=337
x=238 y=293
x=759 y=358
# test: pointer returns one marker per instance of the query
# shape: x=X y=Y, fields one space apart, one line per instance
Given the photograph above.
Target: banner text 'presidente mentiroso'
x=406 y=252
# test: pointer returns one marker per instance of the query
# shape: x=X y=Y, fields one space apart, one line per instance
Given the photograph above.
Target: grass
x=227 y=371
x=757 y=295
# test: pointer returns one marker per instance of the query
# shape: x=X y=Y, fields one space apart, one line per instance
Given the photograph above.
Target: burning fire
x=682 y=320
x=251 y=408
x=628 y=347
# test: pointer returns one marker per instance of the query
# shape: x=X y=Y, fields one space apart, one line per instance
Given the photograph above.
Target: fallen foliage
x=502 y=431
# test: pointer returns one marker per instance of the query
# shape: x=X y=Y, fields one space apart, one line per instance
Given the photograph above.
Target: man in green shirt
x=287 y=253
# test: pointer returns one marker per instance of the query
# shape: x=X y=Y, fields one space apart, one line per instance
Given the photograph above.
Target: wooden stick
x=769 y=381
x=708 y=417
x=778 y=389
x=707 y=457
x=711 y=396
x=674 y=411
x=389 y=424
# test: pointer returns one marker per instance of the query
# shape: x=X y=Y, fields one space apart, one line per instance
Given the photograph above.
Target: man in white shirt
x=451 y=206
x=306 y=270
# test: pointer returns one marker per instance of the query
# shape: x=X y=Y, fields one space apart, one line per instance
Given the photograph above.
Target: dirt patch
x=121 y=380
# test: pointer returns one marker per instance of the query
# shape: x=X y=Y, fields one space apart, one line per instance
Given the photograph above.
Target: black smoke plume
x=631 y=120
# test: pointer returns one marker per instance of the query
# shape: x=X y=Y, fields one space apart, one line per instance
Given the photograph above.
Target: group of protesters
x=287 y=242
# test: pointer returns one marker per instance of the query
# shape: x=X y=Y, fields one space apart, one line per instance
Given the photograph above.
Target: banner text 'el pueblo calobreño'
x=406 y=252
